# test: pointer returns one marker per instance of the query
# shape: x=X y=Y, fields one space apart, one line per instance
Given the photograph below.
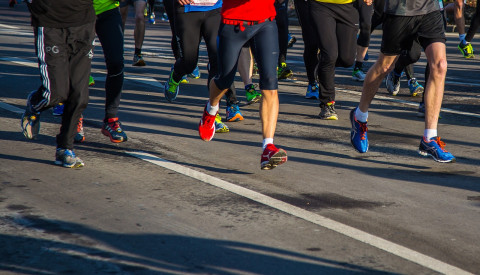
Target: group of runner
x=233 y=31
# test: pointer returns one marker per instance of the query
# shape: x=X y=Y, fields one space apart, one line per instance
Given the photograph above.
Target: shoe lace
x=441 y=144
x=114 y=124
x=363 y=129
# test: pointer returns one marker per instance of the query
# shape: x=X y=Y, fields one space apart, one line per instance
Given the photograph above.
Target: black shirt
x=61 y=13
x=411 y=7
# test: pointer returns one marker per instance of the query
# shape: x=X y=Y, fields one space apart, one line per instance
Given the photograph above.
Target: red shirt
x=248 y=10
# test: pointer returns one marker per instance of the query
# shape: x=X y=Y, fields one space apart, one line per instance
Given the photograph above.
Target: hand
x=368 y=2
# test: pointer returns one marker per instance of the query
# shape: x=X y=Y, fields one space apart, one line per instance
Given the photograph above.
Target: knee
x=328 y=60
x=439 y=68
x=345 y=62
x=115 y=68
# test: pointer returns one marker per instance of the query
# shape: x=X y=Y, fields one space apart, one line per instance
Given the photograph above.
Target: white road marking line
x=19 y=61
x=11 y=108
x=3 y=26
x=322 y=221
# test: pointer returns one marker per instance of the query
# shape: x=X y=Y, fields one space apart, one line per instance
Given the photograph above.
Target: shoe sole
x=426 y=154
x=282 y=77
x=255 y=100
x=27 y=129
x=139 y=63
x=417 y=92
x=278 y=158
x=106 y=133
x=330 y=118
x=236 y=118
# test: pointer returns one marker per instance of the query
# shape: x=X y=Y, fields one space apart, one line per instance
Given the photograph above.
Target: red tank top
x=248 y=10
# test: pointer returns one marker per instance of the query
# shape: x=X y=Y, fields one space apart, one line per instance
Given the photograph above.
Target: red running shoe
x=206 y=127
x=272 y=156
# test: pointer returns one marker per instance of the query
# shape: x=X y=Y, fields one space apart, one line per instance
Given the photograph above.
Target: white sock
x=462 y=38
x=361 y=116
x=267 y=141
x=212 y=110
x=429 y=133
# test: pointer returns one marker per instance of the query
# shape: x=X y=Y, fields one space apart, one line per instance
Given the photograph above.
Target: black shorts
x=399 y=32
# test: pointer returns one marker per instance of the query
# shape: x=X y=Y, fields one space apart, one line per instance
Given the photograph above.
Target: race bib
x=204 y=2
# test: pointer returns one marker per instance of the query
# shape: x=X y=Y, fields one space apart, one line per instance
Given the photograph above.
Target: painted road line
x=3 y=26
x=11 y=108
x=20 y=61
x=322 y=221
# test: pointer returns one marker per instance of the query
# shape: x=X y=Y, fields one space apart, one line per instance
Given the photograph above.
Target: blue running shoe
x=358 y=135
x=171 y=88
x=291 y=40
x=436 y=149
x=67 y=158
x=415 y=87
x=220 y=127
x=184 y=79
x=233 y=113
x=312 y=91
x=58 y=110
x=195 y=74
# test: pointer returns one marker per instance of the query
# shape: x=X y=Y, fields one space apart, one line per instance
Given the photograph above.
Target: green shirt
x=101 y=6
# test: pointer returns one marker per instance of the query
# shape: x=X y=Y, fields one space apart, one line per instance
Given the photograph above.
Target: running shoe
x=291 y=40
x=415 y=87
x=392 y=81
x=138 y=60
x=328 y=112
x=30 y=120
x=358 y=134
x=67 y=158
x=358 y=74
x=195 y=74
x=206 y=127
x=251 y=94
x=220 y=127
x=421 y=110
x=436 y=149
x=164 y=17
x=466 y=50
x=112 y=129
x=91 y=81
x=312 y=91
x=151 y=18
x=272 y=157
x=184 y=80
x=255 y=69
x=80 y=136
x=58 y=109
x=233 y=113
x=171 y=88
x=284 y=72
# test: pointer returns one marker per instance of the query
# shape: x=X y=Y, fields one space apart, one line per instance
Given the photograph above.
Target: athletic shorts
x=129 y=2
x=399 y=32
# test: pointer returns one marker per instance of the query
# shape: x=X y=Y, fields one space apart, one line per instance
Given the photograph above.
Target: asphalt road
x=165 y=202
